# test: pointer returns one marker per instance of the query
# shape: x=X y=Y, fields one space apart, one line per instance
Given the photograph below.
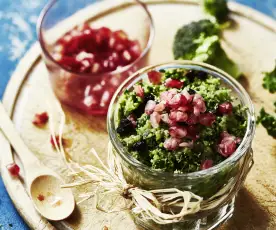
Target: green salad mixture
x=180 y=121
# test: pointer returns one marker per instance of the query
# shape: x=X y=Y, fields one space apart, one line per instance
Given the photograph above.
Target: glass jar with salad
x=90 y=48
x=184 y=125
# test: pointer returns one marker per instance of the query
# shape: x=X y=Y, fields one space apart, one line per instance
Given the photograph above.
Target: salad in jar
x=180 y=120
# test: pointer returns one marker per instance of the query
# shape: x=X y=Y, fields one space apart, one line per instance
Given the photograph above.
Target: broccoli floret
x=268 y=121
x=199 y=41
x=217 y=9
x=184 y=46
x=269 y=81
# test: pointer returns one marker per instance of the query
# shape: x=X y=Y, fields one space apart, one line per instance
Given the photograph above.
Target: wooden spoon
x=43 y=185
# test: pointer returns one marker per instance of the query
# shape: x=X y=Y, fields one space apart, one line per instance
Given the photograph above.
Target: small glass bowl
x=204 y=183
x=87 y=92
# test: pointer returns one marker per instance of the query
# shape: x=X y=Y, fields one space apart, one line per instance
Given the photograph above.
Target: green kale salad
x=180 y=120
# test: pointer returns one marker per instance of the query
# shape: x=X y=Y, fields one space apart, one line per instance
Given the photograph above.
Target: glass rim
x=50 y=4
x=240 y=151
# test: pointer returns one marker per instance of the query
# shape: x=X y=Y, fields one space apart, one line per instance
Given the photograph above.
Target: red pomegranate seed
x=135 y=49
x=227 y=145
x=189 y=144
x=178 y=116
x=132 y=118
x=178 y=131
x=207 y=119
x=159 y=107
x=171 y=143
x=13 y=169
x=155 y=119
x=199 y=105
x=40 y=197
x=192 y=119
x=206 y=164
x=40 y=119
x=225 y=108
x=173 y=83
x=154 y=77
x=149 y=108
x=177 y=101
x=187 y=95
x=139 y=90
x=57 y=139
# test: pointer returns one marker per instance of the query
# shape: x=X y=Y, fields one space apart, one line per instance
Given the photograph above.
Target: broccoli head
x=199 y=41
x=269 y=81
x=268 y=121
x=217 y=9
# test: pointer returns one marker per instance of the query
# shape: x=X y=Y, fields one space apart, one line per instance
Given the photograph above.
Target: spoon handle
x=15 y=140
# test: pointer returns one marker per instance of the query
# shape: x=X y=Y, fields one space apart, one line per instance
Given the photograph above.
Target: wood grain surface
x=251 y=42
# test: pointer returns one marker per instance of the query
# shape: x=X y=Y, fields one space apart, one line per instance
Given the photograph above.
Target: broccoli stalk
x=269 y=81
x=199 y=41
x=216 y=8
x=268 y=121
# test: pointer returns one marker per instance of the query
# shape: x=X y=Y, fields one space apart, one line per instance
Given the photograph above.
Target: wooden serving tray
x=251 y=43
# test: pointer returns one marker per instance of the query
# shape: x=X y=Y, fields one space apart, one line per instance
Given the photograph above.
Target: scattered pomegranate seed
x=206 y=164
x=57 y=139
x=40 y=119
x=173 y=83
x=207 y=119
x=225 y=108
x=192 y=119
x=13 y=169
x=199 y=104
x=178 y=131
x=150 y=106
x=155 y=119
x=171 y=143
x=193 y=132
x=139 y=90
x=41 y=197
x=154 y=77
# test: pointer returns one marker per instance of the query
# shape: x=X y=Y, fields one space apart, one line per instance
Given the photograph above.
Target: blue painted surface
x=18 y=22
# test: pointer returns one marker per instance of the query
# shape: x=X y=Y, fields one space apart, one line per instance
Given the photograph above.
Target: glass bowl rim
x=241 y=150
x=50 y=4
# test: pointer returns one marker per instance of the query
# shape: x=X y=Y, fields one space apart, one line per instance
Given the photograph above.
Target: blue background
x=18 y=32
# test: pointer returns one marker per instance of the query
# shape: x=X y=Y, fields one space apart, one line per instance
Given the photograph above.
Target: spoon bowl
x=52 y=201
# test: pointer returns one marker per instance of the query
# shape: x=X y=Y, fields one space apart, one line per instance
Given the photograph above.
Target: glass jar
x=204 y=183
x=91 y=92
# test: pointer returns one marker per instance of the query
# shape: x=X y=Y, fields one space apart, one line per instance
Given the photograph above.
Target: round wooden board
x=251 y=43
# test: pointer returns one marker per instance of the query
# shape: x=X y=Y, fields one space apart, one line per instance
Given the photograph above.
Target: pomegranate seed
x=159 y=107
x=178 y=116
x=167 y=96
x=207 y=119
x=155 y=119
x=132 y=118
x=154 y=77
x=149 y=108
x=41 y=119
x=139 y=90
x=135 y=49
x=192 y=119
x=177 y=101
x=13 y=169
x=178 y=131
x=227 y=145
x=173 y=83
x=57 y=139
x=225 y=108
x=206 y=164
x=171 y=143
x=40 y=197
x=189 y=144
x=193 y=132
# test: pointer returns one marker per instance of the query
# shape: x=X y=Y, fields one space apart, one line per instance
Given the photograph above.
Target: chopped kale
x=268 y=121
